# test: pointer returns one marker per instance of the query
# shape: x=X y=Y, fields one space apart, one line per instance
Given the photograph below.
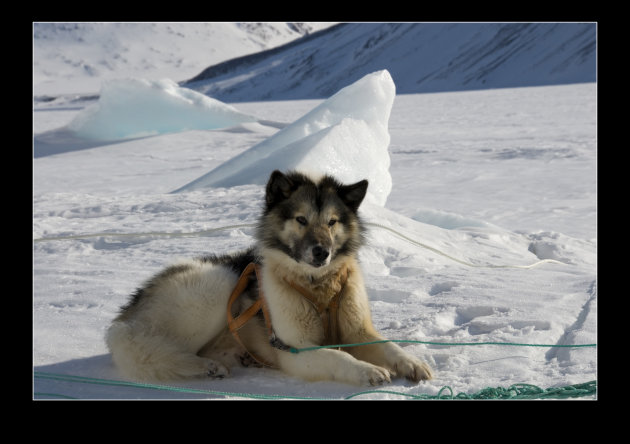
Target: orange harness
x=328 y=313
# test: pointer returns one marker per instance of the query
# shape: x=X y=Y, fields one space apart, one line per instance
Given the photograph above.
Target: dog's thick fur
x=176 y=326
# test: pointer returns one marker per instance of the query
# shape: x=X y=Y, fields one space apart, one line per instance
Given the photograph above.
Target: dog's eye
x=331 y=222
x=301 y=220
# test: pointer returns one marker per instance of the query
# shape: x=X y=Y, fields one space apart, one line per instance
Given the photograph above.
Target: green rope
x=54 y=395
x=116 y=383
x=252 y=225
x=144 y=234
x=514 y=344
x=468 y=264
x=514 y=392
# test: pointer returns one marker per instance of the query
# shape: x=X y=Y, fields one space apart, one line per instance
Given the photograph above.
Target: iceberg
x=132 y=108
x=346 y=136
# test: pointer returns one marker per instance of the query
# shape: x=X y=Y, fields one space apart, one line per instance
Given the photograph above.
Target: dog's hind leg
x=154 y=357
x=160 y=335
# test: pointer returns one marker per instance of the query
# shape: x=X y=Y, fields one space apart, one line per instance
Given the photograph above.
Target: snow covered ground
x=494 y=177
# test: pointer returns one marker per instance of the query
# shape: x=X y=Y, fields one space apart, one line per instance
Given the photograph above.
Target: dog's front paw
x=216 y=370
x=248 y=360
x=373 y=375
x=413 y=369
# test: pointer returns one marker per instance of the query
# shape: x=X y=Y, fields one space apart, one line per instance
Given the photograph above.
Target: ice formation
x=345 y=136
x=131 y=108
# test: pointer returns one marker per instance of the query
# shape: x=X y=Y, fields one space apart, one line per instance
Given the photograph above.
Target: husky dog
x=176 y=325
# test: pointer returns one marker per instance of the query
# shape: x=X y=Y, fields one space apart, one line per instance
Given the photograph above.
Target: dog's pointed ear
x=353 y=195
x=279 y=188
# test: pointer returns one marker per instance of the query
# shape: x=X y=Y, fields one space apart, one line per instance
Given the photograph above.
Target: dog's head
x=311 y=221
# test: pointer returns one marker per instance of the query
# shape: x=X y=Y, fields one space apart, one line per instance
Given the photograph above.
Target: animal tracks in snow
x=479 y=320
x=442 y=287
x=468 y=314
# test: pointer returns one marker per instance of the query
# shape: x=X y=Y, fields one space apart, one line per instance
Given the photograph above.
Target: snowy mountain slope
x=422 y=57
x=76 y=57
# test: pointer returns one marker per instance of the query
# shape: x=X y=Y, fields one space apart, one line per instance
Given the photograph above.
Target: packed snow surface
x=346 y=136
x=479 y=179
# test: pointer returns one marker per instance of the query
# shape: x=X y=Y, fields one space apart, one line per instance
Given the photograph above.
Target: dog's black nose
x=320 y=253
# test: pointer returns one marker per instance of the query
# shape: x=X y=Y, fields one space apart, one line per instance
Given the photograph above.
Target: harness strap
x=235 y=324
x=328 y=312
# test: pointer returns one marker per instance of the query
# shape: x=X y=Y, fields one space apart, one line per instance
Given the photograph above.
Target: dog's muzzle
x=319 y=255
